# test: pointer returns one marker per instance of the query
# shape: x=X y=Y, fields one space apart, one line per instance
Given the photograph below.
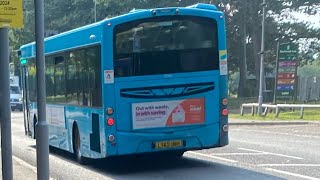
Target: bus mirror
x=19 y=53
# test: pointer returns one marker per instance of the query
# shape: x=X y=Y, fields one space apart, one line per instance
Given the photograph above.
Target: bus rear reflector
x=109 y=111
x=110 y=121
x=111 y=138
x=225 y=128
x=224 y=102
x=225 y=112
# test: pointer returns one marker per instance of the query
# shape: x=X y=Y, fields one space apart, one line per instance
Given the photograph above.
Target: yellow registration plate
x=168 y=144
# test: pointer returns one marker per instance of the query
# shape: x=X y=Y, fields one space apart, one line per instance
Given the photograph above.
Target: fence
x=308 y=89
x=277 y=108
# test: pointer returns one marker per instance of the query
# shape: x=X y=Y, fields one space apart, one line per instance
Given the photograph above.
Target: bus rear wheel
x=76 y=146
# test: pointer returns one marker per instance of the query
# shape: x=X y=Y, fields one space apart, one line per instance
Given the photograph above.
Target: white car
x=15 y=98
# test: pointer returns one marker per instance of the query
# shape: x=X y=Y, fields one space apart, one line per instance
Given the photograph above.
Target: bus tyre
x=76 y=147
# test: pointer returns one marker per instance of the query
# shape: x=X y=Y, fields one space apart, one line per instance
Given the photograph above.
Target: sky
x=314 y=20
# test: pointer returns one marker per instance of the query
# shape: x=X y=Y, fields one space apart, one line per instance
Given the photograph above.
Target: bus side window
x=59 y=76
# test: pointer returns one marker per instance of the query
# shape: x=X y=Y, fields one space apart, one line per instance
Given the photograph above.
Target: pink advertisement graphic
x=168 y=113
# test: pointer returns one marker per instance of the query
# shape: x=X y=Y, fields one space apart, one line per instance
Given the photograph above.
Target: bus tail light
x=224 y=101
x=110 y=121
x=225 y=112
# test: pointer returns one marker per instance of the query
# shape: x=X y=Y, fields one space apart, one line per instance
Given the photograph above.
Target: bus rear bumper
x=202 y=137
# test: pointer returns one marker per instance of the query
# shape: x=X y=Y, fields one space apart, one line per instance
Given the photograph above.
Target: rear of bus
x=170 y=85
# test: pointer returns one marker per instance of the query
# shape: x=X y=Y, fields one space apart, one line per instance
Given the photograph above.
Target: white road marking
x=25 y=164
x=270 y=153
x=235 y=154
x=292 y=174
x=281 y=133
x=212 y=157
x=252 y=150
x=301 y=165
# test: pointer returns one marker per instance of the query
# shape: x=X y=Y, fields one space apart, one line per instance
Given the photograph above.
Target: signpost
x=286 y=71
x=10 y=17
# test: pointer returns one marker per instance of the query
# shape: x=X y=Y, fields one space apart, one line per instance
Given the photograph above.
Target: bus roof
x=93 y=32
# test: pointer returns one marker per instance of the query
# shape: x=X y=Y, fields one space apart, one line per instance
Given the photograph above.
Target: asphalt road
x=255 y=152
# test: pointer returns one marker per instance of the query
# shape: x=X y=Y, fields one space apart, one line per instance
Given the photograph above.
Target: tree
x=276 y=31
x=243 y=24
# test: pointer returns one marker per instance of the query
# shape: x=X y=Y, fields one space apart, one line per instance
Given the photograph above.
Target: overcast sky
x=314 y=20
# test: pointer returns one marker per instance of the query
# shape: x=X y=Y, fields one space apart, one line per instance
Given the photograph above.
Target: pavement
x=21 y=170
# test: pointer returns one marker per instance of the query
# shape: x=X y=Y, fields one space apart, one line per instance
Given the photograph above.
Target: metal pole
x=41 y=126
x=95 y=10
x=296 y=79
x=260 y=100
x=276 y=77
x=5 y=109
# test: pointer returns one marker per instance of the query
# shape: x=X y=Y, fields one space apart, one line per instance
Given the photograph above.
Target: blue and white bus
x=150 y=81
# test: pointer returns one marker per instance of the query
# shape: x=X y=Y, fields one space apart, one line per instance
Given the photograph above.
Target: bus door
x=25 y=100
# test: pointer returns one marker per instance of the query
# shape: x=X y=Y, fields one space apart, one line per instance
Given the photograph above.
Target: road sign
x=287 y=70
x=11 y=14
x=286 y=81
x=286 y=75
x=288 y=52
x=285 y=94
x=287 y=63
x=287 y=87
x=291 y=69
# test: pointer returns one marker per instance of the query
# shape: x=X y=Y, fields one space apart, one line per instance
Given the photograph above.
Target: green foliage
x=62 y=15
x=310 y=70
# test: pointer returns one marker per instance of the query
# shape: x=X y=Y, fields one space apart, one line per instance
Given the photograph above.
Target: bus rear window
x=165 y=45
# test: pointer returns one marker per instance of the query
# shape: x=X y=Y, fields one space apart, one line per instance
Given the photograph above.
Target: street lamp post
x=5 y=111
x=260 y=100
x=95 y=10
x=42 y=138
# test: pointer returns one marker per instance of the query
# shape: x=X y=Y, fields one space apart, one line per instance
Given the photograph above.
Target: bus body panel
x=130 y=140
x=194 y=135
x=58 y=131
x=92 y=122
x=168 y=89
x=198 y=137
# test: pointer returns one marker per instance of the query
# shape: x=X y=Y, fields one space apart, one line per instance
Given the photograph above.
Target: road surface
x=255 y=152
